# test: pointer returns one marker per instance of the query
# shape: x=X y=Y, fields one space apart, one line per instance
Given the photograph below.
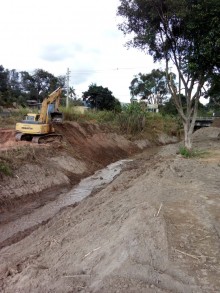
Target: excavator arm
x=54 y=97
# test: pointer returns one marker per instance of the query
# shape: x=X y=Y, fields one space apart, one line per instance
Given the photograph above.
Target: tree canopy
x=151 y=86
x=186 y=35
x=100 y=98
x=214 y=89
x=22 y=86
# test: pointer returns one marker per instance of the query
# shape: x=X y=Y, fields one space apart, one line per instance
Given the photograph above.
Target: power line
x=107 y=69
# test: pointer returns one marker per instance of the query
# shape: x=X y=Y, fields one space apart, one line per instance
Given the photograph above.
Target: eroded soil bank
x=155 y=228
x=37 y=168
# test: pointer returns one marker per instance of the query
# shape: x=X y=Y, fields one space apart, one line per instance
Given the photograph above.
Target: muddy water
x=99 y=180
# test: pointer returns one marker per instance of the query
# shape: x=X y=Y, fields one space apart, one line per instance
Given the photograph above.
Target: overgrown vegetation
x=73 y=114
x=133 y=120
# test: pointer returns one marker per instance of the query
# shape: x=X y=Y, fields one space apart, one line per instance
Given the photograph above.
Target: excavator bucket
x=56 y=117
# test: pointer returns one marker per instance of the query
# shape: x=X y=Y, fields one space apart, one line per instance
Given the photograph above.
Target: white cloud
x=82 y=35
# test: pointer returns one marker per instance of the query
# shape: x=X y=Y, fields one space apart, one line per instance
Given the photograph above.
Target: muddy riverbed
x=24 y=224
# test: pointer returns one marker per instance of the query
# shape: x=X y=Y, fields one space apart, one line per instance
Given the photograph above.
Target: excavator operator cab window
x=29 y=118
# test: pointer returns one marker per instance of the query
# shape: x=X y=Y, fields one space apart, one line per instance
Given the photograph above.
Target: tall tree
x=151 y=87
x=40 y=84
x=3 y=81
x=186 y=34
x=44 y=83
x=101 y=98
x=214 y=90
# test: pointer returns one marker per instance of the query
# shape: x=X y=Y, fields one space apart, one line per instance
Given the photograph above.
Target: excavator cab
x=55 y=115
x=31 y=118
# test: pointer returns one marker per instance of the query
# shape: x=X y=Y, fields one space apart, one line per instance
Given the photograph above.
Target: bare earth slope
x=38 y=168
x=155 y=228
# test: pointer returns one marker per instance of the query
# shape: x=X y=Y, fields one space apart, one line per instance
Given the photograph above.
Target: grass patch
x=100 y=117
x=5 y=169
x=193 y=153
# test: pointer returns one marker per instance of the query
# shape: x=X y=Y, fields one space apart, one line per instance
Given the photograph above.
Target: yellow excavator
x=38 y=128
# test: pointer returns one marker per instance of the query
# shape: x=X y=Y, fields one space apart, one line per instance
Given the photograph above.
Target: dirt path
x=155 y=228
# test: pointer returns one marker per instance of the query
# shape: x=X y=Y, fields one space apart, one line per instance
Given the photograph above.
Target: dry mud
x=155 y=228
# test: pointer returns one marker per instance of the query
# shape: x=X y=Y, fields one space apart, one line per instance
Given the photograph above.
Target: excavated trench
x=91 y=145
x=14 y=231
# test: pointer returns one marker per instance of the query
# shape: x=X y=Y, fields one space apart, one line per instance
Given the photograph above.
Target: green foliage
x=147 y=85
x=214 y=91
x=192 y=153
x=5 y=169
x=18 y=87
x=185 y=34
x=76 y=102
x=100 y=98
x=134 y=120
x=171 y=28
x=96 y=116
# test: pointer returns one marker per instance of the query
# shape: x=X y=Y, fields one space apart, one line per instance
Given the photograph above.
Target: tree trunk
x=187 y=135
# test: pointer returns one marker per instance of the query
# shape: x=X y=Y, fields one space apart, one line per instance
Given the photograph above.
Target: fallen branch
x=76 y=276
x=157 y=214
x=92 y=251
x=190 y=255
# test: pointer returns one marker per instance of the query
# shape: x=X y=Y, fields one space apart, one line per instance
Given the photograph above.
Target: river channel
x=25 y=224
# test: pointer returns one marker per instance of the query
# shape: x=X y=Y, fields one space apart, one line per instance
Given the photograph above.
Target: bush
x=134 y=119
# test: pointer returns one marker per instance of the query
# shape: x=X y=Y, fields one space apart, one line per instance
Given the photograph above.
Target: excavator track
x=23 y=136
x=47 y=138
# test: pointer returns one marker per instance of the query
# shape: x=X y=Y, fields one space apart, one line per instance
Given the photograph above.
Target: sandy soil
x=155 y=228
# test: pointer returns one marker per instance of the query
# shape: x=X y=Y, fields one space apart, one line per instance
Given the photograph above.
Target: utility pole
x=67 y=87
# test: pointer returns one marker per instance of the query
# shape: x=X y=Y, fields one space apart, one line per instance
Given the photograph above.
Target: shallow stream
x=88 y=185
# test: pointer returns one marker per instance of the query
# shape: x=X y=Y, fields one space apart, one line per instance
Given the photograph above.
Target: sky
x=81 y=35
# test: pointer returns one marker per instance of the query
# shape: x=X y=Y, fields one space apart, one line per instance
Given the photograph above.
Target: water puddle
x=98 y=180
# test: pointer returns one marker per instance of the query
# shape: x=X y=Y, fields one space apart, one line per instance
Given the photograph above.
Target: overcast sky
x=80 y=34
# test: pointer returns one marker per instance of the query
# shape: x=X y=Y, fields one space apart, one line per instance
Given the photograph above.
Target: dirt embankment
x=37 y=168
